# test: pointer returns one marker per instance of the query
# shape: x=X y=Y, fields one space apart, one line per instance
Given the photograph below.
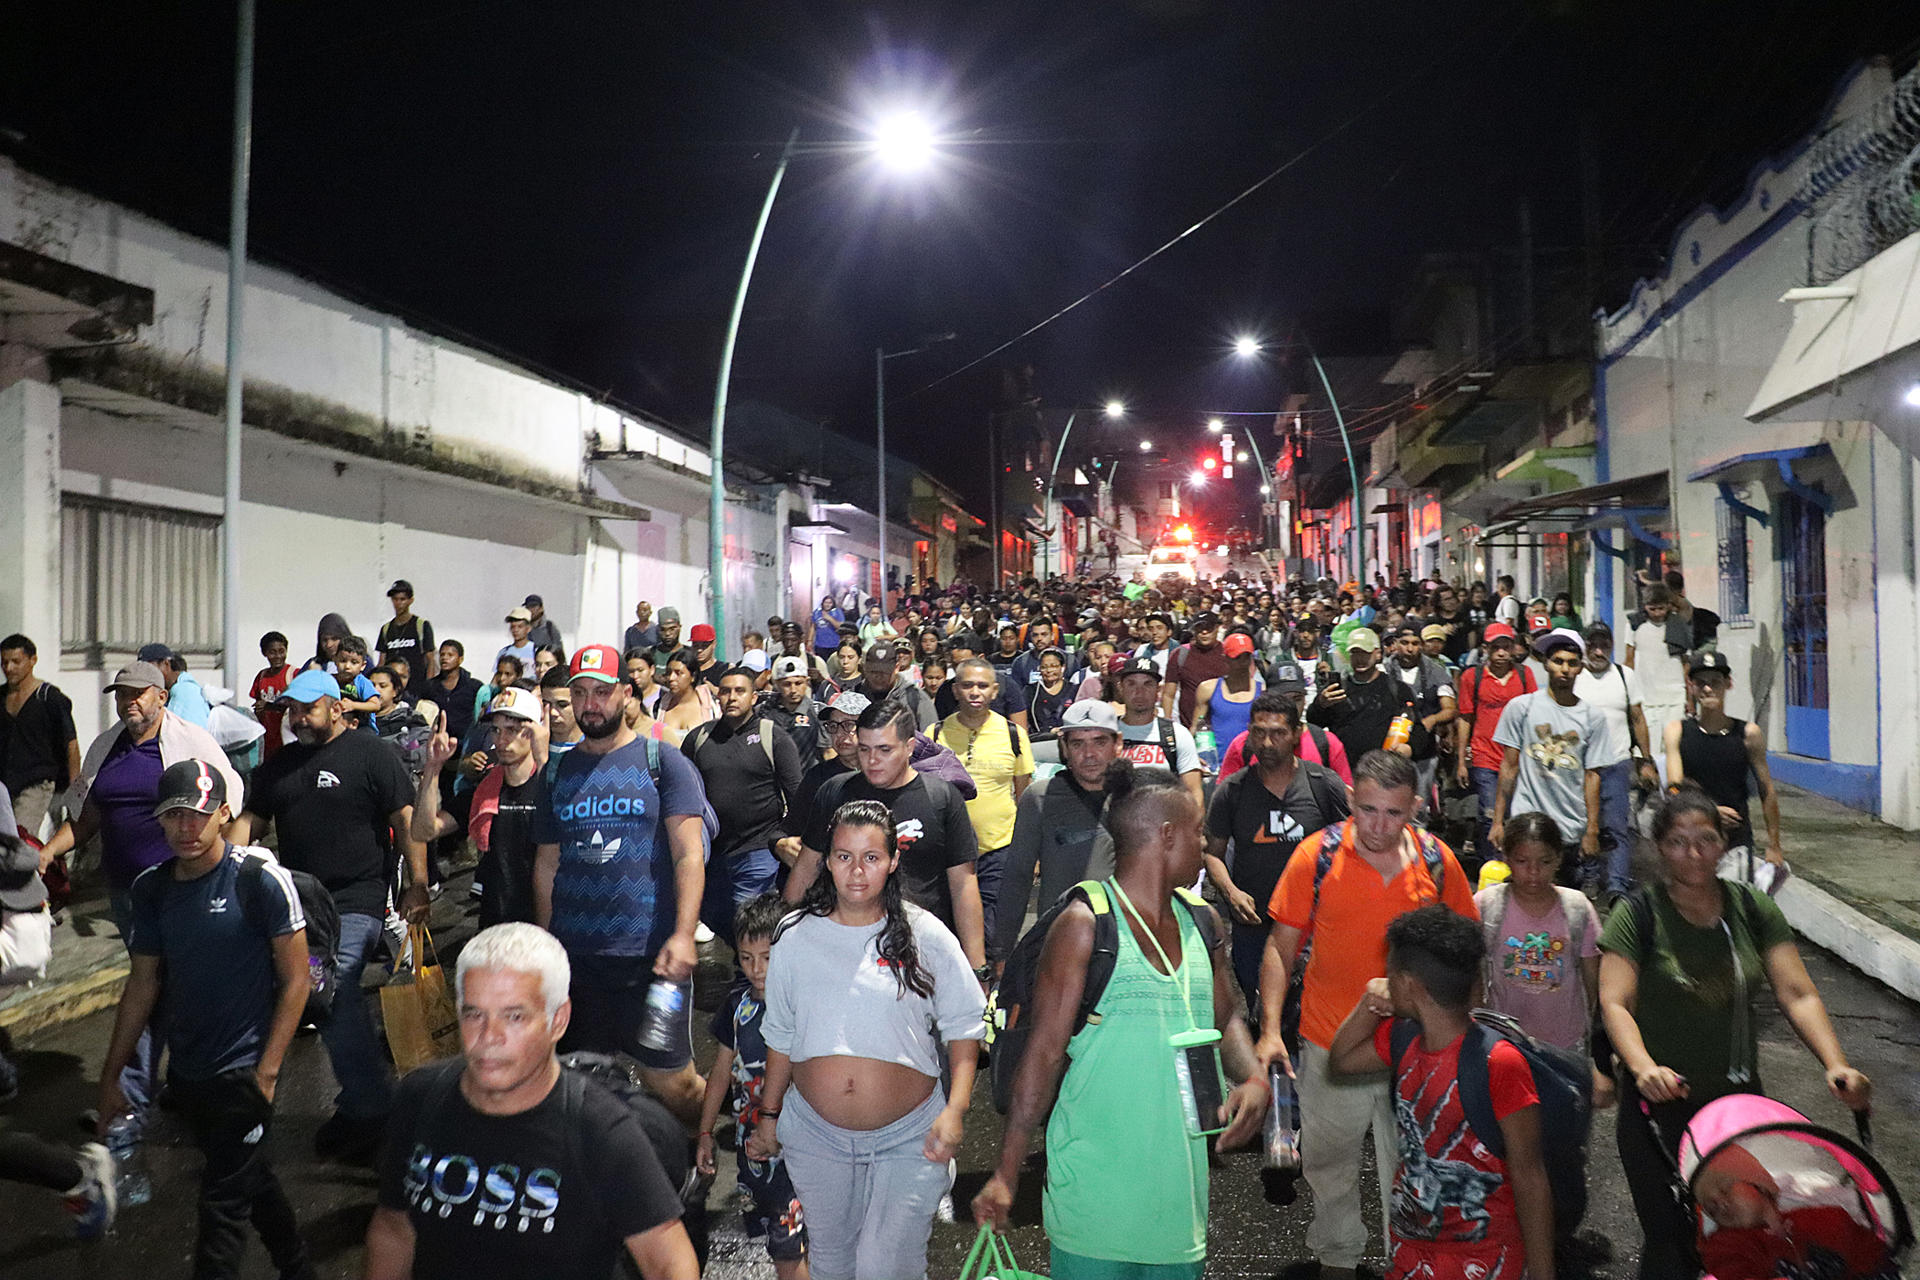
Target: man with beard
x=340 y=800
x=618 y=878
x=1260 y=815
x=1360 y=707
x=790 y=705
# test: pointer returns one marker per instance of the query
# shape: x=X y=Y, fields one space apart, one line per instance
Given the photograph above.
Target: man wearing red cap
x=1483 y=692
x=702 y=638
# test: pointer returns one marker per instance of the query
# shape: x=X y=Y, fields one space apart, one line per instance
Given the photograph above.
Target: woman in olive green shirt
x=1679 y=971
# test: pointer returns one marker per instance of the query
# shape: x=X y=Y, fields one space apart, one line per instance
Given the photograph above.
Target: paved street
x=1249 y=1237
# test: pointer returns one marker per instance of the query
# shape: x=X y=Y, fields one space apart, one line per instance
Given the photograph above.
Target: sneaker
x=93 y=1203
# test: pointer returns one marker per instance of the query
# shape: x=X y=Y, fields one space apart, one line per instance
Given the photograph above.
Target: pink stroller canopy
x=1786 y=1142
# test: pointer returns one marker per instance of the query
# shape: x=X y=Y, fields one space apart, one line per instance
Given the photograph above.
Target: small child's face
x=1738 y=1205
x=755 y=955
x=1534 y=867
x=350 y=664
x=275 y=652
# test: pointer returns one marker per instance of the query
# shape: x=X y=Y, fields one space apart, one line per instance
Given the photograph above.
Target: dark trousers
x=37 y=1162
x=986 y=872
x=1249 y=949
x=1666 y=1250
x=230 y=1120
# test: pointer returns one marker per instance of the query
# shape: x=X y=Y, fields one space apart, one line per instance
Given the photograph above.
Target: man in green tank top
x=1126 y=1191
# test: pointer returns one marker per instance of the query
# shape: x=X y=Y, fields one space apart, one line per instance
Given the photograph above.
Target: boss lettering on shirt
x=497 y=1196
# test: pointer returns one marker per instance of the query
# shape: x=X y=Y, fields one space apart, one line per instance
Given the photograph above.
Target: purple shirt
x=124 y=793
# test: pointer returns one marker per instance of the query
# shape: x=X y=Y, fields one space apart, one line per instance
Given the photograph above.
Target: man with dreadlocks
x=1130 y=1197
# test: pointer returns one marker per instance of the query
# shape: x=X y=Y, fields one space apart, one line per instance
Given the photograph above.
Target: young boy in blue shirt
x=741 y=1069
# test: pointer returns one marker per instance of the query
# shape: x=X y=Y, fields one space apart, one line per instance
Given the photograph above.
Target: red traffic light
x=1210 y=462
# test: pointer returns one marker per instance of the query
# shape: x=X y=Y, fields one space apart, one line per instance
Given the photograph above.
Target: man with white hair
x=500 y=1162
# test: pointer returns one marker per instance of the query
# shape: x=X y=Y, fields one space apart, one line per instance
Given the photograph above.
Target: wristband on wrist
x=768 y=1113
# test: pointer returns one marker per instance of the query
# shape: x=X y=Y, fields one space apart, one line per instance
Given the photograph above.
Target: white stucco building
x=373 y=450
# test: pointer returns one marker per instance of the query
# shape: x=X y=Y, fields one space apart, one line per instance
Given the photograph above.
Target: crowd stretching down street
x=1162 y=871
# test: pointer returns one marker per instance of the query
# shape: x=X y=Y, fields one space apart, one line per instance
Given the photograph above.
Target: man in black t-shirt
x=405 y=636
x=934 y=837
x=503 y=805
x=39 y=746
x=752 y=775
x=1265 y=811
x=340 y=800
x=503 y=1164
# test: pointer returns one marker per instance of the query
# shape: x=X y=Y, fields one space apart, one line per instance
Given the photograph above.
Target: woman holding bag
x=858 y=985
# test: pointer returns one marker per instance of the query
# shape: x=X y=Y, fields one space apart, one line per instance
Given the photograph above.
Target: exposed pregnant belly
x=860 y=1093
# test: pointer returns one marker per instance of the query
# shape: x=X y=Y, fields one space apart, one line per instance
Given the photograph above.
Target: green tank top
x=1125 y=1181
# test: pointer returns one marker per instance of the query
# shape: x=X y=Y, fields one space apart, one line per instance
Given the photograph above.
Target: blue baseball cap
x=311 y=686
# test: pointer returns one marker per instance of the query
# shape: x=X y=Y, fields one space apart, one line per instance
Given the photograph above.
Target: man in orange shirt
x=1339 y=892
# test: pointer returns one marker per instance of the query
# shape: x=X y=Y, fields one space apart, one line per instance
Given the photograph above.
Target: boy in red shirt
x=268 y=685
x=1459 y=1211
x=1480 y=694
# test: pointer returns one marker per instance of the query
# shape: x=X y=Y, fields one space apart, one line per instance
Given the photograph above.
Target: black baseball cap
x=400 y=587
x=1206 y=619
x=1138 y=666
x=191 y=784
x=1709 y=660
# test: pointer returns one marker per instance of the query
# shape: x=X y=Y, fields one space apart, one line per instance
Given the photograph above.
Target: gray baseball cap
x=136 y=676
x=1091 y=714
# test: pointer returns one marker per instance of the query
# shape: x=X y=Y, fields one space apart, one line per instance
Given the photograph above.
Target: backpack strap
x=653 y=761
x=1204 y=918
x=1320 y=742
x=573 y=1110
x=1320 y=782
x=1476 y=1088
x=1106 y=948
x=1168 y=743
x=1321 y=866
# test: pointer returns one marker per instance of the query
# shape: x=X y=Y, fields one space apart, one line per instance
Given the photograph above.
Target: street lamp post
x=880 y=357
x=716 y=443
x=1247 y=347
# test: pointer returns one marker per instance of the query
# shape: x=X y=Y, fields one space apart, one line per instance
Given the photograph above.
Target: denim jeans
x=1486 y=786
x=1249 y=949
x=366 y=1085
x=140 y=1081
x=743 y=874
x=1616 y=823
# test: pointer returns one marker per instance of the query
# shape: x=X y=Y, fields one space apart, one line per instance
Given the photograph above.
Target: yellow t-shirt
x=989 y=757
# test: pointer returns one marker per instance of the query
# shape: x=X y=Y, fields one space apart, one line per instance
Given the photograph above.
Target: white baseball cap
x=521 y=704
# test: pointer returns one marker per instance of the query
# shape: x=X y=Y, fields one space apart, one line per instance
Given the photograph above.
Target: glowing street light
x=1246 y=346
x=1146 y=446
x=1216 y=425
x=904 y=141
x=1266 y=490
x=1116 y=409
x=1198 y=477
x=1240 y=456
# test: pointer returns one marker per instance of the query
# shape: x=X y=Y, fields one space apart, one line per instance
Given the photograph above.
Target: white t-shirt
x=1508 y=611
x=1611 y=694
x=1661 y=677
x=1141 y=744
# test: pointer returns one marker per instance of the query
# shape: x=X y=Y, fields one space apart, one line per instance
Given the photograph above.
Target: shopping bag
x=423 y=1024
x=991 y=1258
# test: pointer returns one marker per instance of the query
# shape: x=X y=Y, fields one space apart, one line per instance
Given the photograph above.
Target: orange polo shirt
x=1350 y=934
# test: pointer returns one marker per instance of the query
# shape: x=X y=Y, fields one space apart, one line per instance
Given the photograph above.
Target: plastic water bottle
x=665 y=1014
x=1282 y=1148
x=123 y=1141
x=1207 y=747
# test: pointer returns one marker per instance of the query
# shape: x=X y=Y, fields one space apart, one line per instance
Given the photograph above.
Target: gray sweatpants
x=869 y=1195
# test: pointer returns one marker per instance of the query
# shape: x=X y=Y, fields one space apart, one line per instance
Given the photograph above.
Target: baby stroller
x=1773 y=1194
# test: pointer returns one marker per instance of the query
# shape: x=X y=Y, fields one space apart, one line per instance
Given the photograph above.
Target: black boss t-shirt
x=512 y=1196
x=330 y=806
x=930 y=825
x=1265 y=828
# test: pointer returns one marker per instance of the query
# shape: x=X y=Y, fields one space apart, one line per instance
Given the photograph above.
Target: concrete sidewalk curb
x=1886 y=955
x=64 y=1001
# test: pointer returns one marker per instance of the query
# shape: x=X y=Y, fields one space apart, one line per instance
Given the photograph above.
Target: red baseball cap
x=596 y=662
x=701 y=633
x=1498 y=631
x=1237 y=645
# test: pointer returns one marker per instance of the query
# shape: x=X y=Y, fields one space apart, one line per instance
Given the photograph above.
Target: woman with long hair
x=688 y=702
x=843 y=668
x=826 y=627
x=862 y=990
x=1681 y=963
x=545 y=658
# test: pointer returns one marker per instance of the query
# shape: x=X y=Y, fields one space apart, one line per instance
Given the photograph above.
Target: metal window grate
x=131 y=574
x=1736 y=580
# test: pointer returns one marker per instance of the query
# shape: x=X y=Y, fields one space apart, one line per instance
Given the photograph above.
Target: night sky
x=574 y=183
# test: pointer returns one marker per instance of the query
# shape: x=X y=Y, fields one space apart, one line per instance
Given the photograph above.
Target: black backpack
x=323 y=928
x=1562 y=1078
x=1006 y=1006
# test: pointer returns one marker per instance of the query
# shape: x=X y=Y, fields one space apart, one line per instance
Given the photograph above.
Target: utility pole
x=236 y=300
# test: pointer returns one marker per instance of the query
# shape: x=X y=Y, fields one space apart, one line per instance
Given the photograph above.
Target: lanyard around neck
x=1186 y=973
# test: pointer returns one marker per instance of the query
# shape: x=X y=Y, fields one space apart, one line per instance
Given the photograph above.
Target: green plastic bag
x=991 y=1258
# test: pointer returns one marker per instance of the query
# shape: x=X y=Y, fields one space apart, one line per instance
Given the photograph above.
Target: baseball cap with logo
x=883 y=651
x=1365 y=639
x=596 y=662
x=701 y=633
x=191 y=784
x=1091 y=714
x=136 y=676
x=1138 y=666
x=521 y=704
x=519 y=613
x=784 y=667
x=310 y=686
x=1237 y=645
x=1703 y=660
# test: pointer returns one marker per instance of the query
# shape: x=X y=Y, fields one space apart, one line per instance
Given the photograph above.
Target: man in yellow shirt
x=997 y=756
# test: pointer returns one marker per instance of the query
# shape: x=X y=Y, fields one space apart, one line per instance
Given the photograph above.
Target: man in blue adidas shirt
x=618 y=878
x=217 y=921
